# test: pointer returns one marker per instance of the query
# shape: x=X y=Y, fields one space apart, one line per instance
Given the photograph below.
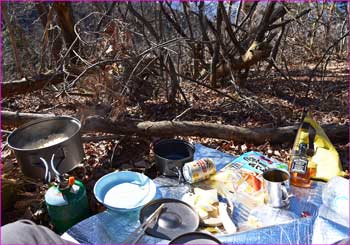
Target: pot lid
x=195 y=238
x=176 y=218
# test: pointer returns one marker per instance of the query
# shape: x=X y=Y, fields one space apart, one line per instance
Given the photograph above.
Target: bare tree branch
x=143 y=20
x=173 y=22
x=230 y=31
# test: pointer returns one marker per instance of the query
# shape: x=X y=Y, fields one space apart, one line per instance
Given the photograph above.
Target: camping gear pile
x=197 y=199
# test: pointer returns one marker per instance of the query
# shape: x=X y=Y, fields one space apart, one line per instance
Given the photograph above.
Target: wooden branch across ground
x=15 y=119
x=30 y=84
x=337 y=133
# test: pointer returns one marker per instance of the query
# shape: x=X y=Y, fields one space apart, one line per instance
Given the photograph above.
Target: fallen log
x=30 y=84
x=15 y=119
x=336 y=133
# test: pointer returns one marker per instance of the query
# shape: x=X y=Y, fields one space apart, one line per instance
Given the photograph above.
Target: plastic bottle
x=67 y=204
x=335 y=196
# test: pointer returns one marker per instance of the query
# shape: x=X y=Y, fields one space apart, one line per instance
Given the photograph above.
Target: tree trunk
x=215 y=60
x=46 y=19
x=66 y=23
x=174 y=81
x=337 y=133
x=12 y=38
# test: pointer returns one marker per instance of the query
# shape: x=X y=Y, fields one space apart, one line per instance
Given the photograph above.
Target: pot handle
x=59 y=177
x=47 y=177
x=59 y=157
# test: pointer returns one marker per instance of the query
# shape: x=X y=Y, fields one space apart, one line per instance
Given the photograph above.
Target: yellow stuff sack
x=325 y=157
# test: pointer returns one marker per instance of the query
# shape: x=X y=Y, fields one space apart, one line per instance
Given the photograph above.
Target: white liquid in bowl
x=126 y=195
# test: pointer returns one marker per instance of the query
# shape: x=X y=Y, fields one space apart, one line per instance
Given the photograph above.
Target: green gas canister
x=66 y=203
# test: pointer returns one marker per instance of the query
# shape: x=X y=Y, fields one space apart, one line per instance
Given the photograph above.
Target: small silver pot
x=68 y=153
x=171 y=155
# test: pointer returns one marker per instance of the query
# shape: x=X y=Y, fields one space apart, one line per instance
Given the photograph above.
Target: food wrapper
x=243 y=178
x=257 y=162
x=237 y=184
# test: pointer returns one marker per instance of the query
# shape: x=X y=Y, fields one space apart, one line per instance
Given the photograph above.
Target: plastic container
x=335 y=196
x=68 y=206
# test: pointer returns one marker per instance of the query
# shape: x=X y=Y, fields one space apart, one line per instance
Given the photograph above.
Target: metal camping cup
x=276 y=184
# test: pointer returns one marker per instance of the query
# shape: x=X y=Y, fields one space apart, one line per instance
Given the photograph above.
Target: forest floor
x=327 y=101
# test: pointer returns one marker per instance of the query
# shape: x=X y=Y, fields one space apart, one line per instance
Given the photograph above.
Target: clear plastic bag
x=335 y=196
x=266 y=216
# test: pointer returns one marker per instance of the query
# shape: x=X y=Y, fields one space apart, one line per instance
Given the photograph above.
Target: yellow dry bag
x=324 y=156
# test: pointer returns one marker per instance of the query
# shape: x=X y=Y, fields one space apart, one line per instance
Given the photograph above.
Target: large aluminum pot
x=43 y=138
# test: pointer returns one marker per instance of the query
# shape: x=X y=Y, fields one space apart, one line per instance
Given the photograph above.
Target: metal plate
x=195 y=238
x=176 y=219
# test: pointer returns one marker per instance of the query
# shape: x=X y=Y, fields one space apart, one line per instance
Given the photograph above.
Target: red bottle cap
x=71 y=180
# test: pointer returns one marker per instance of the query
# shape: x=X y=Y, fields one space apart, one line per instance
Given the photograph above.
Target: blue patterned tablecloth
x=322 y=227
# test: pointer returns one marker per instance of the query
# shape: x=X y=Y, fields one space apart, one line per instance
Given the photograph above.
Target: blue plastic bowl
x=124 y=191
